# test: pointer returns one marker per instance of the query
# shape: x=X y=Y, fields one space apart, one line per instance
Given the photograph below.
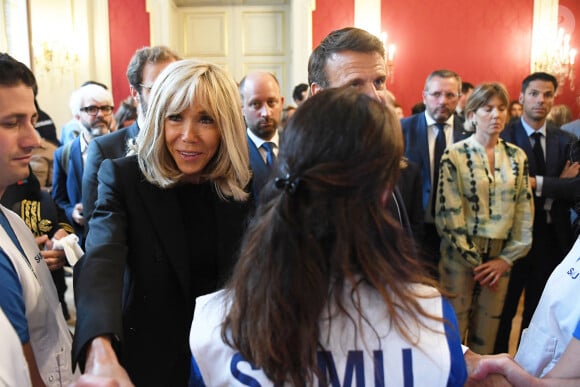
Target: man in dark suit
x=547 y=148
x=94 y=112
x=466 y=90
x=143 y=69
x=351 y=56
x=262 y=106
x=424 y=142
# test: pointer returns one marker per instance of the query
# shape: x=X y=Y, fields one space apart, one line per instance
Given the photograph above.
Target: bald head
x=262 y=103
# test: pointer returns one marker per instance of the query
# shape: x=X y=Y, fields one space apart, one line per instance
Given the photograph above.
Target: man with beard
x=142 y=71
x=94 y=112
x=426 y=136
x=262 y=109
x=548 y=150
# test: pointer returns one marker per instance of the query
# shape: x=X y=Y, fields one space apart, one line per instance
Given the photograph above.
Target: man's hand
x=532 y=181
x=41 y=240
x=570 y=170
x=490 y=272
x=102 y=367
x=59 y=234
x=55 y=259
x=77 y=214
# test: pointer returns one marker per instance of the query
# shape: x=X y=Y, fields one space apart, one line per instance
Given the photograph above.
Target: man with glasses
x=143 y=69
x=93 y=107
x=426 y=136
x=73 y=128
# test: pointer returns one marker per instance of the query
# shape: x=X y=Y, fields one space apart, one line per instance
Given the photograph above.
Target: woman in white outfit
x=326 y=289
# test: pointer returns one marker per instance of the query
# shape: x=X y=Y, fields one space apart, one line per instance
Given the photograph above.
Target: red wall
x=129 y=31
x=330 y=15
x=482 y=40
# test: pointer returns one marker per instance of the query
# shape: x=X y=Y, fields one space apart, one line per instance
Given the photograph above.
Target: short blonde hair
x=176 y=88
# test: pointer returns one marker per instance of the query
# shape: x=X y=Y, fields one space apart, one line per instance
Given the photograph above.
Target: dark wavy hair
x=321 y=225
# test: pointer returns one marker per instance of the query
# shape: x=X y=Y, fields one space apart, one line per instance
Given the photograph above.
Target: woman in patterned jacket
x=484 y=215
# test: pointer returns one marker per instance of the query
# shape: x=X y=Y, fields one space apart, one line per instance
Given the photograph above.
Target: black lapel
x=165 y=214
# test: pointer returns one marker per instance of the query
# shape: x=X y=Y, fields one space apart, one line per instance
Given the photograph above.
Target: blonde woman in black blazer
x=166 y=226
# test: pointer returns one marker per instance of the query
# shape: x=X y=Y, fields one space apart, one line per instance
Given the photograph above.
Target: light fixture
x=551 y=49
x=557 y=58
x=51 y=58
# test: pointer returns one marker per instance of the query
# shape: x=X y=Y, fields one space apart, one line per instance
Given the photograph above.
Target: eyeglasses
x=94 y=110
x=146 y=87
x=439 y=94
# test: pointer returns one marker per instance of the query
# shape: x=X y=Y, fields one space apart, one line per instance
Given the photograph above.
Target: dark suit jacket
x=409 y=185
x=557 y=150
x=260 y=170
x=66 y=184
x=110 y=146
x=134 y=281
x=417 y=147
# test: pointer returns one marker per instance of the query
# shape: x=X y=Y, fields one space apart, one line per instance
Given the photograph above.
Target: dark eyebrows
x=18 y=116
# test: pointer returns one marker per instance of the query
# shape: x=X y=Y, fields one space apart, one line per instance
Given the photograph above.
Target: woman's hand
x=102 y=367
x=489 y=273
x=502 y=364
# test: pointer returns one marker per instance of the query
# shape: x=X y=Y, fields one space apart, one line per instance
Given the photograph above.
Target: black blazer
x=134 y=281
x=558 y=144
x=409 y=185
x=110 y=146
x=417 y=147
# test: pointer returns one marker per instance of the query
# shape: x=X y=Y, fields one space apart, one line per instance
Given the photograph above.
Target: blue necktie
x=270 y=156
x=440 y=144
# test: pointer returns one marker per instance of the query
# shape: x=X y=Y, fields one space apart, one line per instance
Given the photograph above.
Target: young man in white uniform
x=27 y=293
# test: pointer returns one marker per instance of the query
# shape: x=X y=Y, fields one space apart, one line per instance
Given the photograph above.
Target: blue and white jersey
x=374 y=354
x=555 y=319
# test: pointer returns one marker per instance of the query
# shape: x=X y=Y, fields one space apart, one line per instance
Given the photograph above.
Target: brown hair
x=480 y=97
x=320 y=227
